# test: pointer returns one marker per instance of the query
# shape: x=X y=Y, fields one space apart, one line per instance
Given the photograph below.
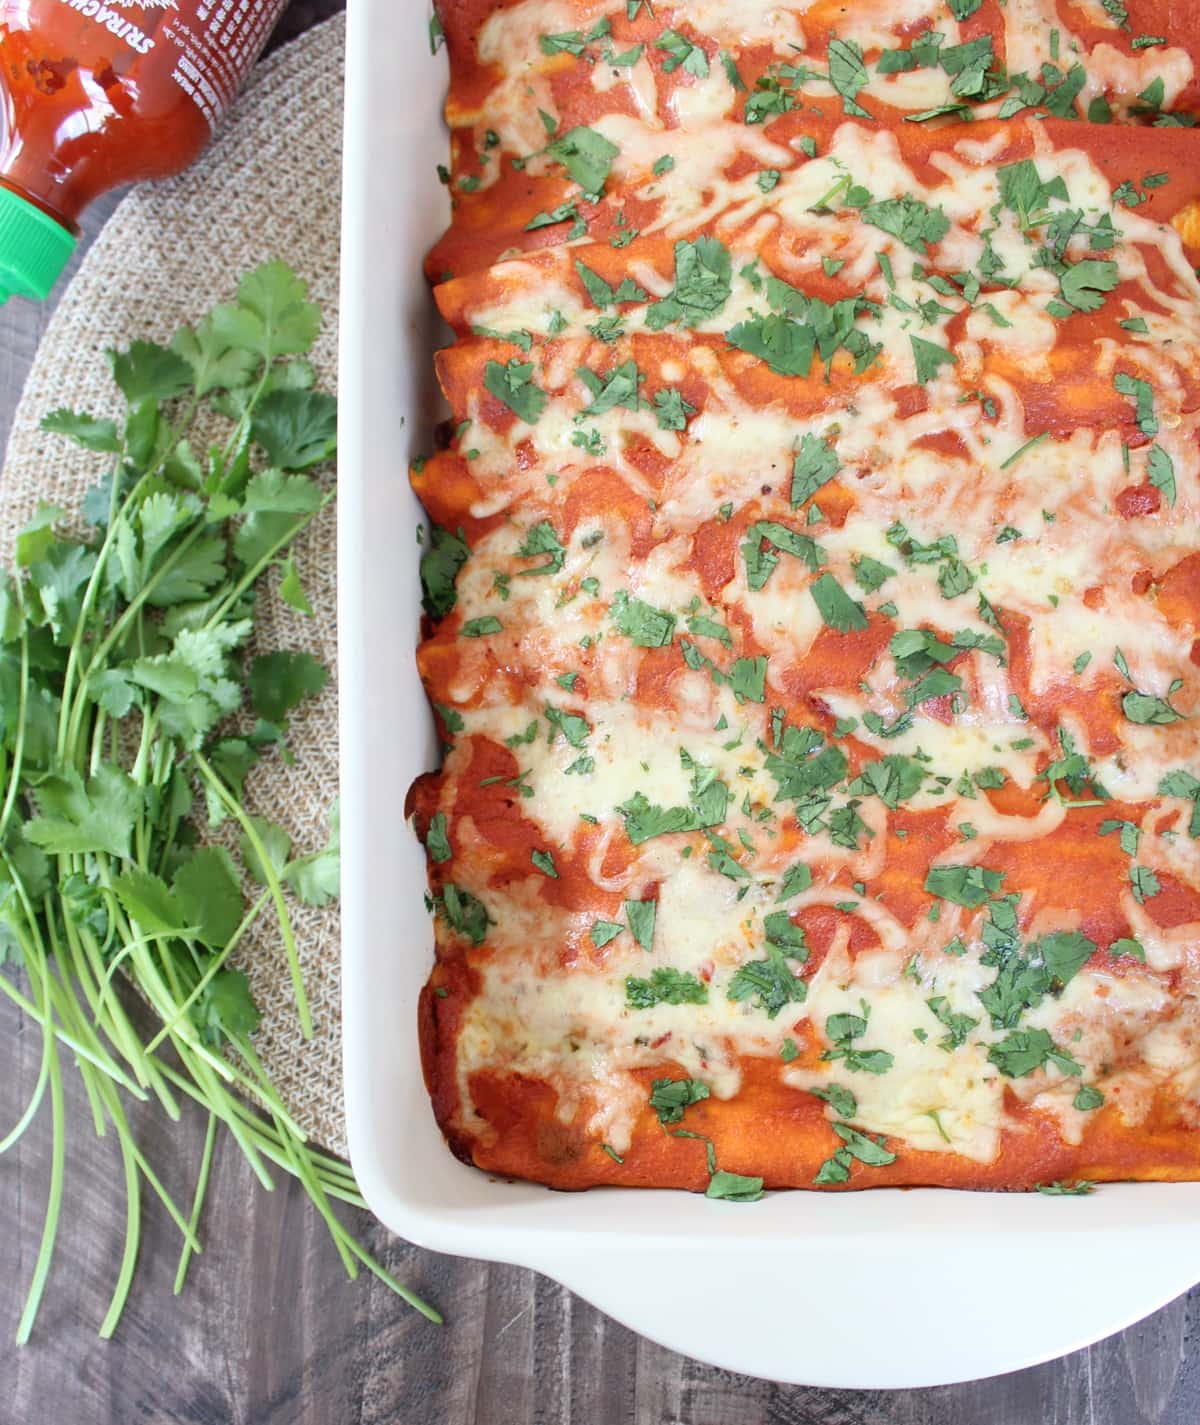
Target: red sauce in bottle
x=95 y=94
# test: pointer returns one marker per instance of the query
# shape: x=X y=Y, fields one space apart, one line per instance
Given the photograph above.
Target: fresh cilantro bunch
x=130 y=716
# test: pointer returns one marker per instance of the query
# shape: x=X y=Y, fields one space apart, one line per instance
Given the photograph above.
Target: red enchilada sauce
x=95 y=95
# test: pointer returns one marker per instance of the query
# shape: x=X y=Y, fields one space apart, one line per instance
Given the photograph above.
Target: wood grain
x=269 y=1331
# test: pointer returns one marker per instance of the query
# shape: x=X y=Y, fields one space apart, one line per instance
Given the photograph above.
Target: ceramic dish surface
x=883 y=1288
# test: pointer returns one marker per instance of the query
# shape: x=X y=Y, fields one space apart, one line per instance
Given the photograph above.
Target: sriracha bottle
x=95 y=95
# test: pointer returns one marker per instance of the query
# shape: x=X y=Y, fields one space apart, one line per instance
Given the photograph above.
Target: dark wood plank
x=270 y=1332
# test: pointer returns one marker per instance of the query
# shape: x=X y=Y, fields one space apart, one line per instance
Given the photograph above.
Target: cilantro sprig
x=123 y=649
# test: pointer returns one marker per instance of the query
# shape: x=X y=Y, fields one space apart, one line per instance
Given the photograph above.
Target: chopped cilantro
x=586 y=155
x=669 y=1097
x=641 y=916
x=665 y=986
x=645 y=625
x=682 y=53
x=929 y=358
x=836 y=607
x=513 y=385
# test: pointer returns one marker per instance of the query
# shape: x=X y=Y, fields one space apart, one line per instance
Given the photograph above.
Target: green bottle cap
x=34 y=249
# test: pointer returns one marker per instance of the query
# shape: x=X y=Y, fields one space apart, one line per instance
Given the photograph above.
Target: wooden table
x=269 y=1331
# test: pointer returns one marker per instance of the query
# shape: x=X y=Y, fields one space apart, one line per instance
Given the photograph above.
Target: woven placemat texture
x=269 y=187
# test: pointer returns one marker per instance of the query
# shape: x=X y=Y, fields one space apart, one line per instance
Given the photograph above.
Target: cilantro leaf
x=541 y=539
x=770 y=982
x=672 y=409
x=815 y=465
x=440 y=563
x=915 y=223
x=276 y=843
x=586 y=155
x=226 y=1009
x=645 y=625
x=848 y=74
x=77 y=818
x=842 y=1030
x=437 y=842
x=481 y=627
x=867 y=1150
x=217 y=363
x=929 y=358
x=147 y=372
x=669 y=1097
x=703 y=282
x=892 y=779
x=1023 y=192
x=786 y=346
x=958 y=1025
x=1146 y=709
x=665 y=986
x=734 y=1187
x=1024 y=1051
x=513 y=385
x=574 y=728
x=464 y=913
x=291 y=590
x=641 y=917
x=208 y=893
x=1083 y=284
x=544 y=861
x=272 y=316
x=967 y=886
x=618 y=388
x=84 y=430
x=1143 y=394
x=842 y=613
x=1161 y=472
x=603 y=931
x=761 y=563
x=839 y=1098
x=279 y=681
x=296 y=429
x=682 y=53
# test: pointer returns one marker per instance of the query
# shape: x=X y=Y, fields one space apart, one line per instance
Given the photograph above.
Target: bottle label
x=217 y=43
x=210 y=44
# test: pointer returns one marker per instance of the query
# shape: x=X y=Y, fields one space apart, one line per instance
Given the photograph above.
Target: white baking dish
x=885 y=1288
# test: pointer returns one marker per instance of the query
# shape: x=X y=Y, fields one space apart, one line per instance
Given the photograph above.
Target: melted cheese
x=999 y=454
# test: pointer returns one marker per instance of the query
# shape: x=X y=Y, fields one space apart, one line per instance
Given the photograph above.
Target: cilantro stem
x=119 y=769
x=133 y=1219
x=130 y=612
x=58 y=1151
x=33 y=952
x=214 y=965
x=108 y=1009
x=118 y=509
x=39 y=1089
x=234 y=808
x=90 y=1084
x=265 y=1091
x=251 y=574
x=430 y=1313
x=18 y=754
x=241 y=432
x=185 y=1252
x=1021 y=449
x=838 y=188
x=303 y=1171
x=64 y=1035
x=91 y=592
x=116 y=1114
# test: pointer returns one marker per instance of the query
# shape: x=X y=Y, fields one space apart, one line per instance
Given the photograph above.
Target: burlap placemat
x=269 y=187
